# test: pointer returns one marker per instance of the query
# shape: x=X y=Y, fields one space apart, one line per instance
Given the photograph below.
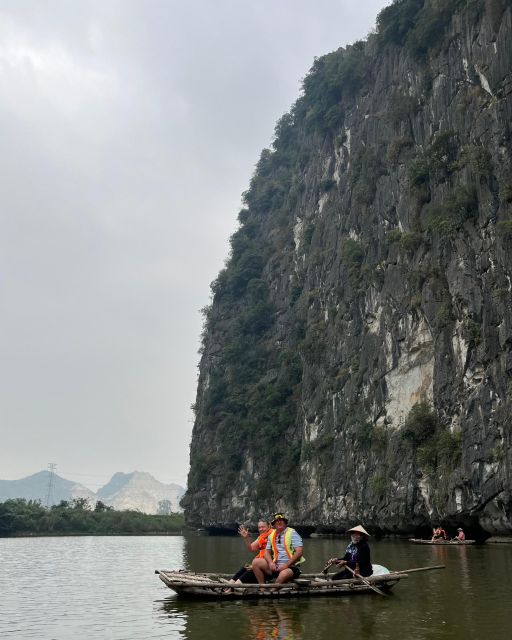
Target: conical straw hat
x=359 y=529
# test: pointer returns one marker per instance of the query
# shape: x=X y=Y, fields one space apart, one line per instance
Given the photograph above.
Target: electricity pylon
x=51 y=478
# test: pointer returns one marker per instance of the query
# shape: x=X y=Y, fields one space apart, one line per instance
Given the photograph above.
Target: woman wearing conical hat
x=357 y=555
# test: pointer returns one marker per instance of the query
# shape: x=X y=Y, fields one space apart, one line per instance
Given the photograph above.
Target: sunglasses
x=278 y=539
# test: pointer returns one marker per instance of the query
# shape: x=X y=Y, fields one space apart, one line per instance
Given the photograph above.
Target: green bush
x=394 y=236
x=419 y=172
x=501 y=293
x=396 y=146
x=477 y=159
x=459 y=206
x=506 y=191
x=396 y=21
x=331 y=77
x=258 y=318
x=430 y=26
x=426 y=457
x=504 y=227
x=496 y=454
x=410 y=241
x=367 y=168
x=436 y=163
x=315 y=343
x=415 y=301
x=439 y=220
x=444 y=316
x=22 y=517
x=434 y=444
x=449 y=447
x=420 y=26
x=420 y=425
x=441 y=155
x=471 y=331
x=378 y=485
x=352 y=258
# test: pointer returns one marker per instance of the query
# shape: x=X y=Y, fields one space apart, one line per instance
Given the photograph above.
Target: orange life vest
x=262 y=542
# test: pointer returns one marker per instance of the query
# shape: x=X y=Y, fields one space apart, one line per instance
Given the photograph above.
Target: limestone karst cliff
x=357 y=354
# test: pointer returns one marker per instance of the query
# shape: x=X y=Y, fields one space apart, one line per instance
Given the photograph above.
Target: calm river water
x=104 y=587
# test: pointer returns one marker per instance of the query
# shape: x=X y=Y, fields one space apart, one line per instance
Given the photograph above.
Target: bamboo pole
x=436 y=566
x=430 y=568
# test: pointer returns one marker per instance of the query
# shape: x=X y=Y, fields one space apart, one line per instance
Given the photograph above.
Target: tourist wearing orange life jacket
x=283 y=554
x=438 y=533
x=245 y=574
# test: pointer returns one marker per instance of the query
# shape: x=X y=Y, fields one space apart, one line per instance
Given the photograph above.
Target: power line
x=96 y=475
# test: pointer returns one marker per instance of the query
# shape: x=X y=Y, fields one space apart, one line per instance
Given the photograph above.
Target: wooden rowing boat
x=217 y=585
x=453 y=543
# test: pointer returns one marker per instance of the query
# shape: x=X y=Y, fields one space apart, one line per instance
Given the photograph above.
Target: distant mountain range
x=139 y=491
x=35 y=487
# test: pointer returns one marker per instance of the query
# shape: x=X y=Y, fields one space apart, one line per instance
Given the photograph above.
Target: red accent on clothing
x=262 y=543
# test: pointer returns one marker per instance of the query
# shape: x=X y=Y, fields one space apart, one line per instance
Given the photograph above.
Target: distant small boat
x=217 y=585
x=453 y=543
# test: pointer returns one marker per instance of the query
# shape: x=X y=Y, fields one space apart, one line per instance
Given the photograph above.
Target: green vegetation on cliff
x=420 y=26
x=356 y=355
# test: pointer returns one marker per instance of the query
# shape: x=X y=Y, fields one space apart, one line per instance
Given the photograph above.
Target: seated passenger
x=461 y=536
x=282 y=555
x=245 y=574
x=438 y=533
x=357 y=555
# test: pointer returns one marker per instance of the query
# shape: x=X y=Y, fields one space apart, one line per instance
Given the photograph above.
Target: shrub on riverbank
x=20 y=517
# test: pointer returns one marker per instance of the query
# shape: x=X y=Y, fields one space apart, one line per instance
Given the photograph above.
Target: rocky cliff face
x=357 y=355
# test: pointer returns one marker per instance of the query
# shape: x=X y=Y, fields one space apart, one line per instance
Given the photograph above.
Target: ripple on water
x=95 y=588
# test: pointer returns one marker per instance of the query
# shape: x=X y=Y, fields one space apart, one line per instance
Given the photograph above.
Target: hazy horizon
x=131 y=130
x=87 y=484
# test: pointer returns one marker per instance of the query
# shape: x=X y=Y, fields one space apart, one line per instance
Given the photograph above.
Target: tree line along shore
x=20 y=517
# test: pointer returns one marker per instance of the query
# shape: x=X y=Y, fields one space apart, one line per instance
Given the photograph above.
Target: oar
x=366 y=582
x=436 y=566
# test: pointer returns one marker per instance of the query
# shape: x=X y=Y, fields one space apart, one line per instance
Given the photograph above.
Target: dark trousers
x=239 y=573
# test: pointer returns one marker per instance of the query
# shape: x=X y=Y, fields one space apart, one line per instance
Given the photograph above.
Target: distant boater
x=461 y=536
x=438 y=533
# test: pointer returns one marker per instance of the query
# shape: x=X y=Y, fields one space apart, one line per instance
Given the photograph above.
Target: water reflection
x=266 y=620
x=274 y=621
x=450 y=604
x=105 y=589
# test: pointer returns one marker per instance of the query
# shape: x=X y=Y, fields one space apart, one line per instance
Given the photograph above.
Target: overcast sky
x=129 y=131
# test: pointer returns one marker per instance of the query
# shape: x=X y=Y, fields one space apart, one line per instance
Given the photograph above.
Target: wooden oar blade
x=367 y=583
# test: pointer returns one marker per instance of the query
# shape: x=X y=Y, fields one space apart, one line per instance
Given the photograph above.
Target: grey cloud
x=130 y=130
